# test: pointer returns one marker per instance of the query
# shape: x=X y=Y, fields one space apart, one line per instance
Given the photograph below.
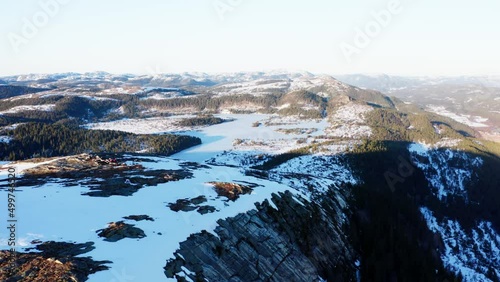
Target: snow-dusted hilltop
x=473 y=100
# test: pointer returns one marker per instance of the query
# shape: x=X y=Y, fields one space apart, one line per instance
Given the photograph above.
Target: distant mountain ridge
x=473 y=100
x=390 y=83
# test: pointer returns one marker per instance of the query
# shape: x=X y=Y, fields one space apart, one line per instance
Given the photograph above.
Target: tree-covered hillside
x=8 y=91
x=47 y=140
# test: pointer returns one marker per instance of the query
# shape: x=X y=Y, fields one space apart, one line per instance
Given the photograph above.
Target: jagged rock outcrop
x=289 y=240
x=53 y=261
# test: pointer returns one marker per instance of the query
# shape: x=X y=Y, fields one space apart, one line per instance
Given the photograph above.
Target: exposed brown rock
x=82 y=162
x=232 y=191
x=105 y=177
x=55 y=262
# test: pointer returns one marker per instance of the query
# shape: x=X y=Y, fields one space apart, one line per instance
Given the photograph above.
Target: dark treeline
x=33 y=116
x=6 y=104
x=302 y=113
x=209 y=102
x=82 y=107
x=390 y=124
x=49 y=140
x=8 y=91
x=387 y=227
x=298 y=99
x=306 y=97
x=267 y=103
x=200 y=121
x=66 y=107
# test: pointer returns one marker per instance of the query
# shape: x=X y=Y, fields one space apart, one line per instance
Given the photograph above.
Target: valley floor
x=55 y=212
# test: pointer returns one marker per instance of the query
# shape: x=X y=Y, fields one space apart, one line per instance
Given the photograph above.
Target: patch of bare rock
x=52 y=261
x=104 y=177
x=119 y=230
x=139 y=217
x=187 y=205
x=232 y=191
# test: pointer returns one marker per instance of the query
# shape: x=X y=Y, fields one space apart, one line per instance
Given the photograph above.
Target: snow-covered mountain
x=465 y=98
x=298 y=177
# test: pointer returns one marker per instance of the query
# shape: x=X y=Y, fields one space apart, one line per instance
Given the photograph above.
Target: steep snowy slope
x=472 y=252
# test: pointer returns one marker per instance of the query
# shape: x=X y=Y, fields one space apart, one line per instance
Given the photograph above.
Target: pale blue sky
x=445 y=37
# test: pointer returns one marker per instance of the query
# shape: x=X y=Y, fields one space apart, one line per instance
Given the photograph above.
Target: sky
x=401 y=37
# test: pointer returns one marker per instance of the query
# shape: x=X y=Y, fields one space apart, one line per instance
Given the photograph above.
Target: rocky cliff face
x=288 y=239
x=355 y=228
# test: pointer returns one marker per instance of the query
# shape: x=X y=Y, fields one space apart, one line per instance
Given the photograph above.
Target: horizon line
x=283 y=71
